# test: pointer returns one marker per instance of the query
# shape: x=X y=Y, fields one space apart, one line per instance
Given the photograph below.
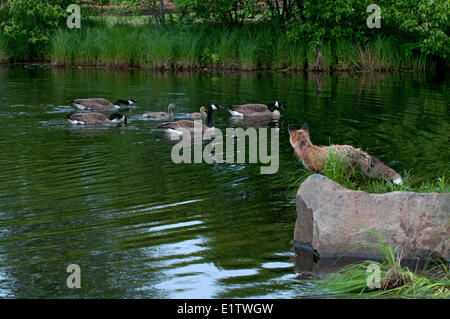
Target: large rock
x=334 y=220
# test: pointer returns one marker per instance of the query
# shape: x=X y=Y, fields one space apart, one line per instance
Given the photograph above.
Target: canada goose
x=95 y=118
x=257 y=109
x=169 y=113
x=253 y=121
x=100 y=103
x=314 y=157
x=202 y=113
x=178 y=127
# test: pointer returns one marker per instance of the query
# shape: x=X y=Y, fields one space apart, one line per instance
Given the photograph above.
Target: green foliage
x=329 y=20
x=135 y=7
x=283 y=34
x=27 y=24
x=284 y=10
x=425 y=21
x=230 y=12
x=257 y=46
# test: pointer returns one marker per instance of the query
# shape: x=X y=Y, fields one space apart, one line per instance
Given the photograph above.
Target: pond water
x=111 y=200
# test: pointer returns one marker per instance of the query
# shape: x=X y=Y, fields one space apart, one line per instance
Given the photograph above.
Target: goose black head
x=215 y=106
x=118 y=116
x=126 y=102
x=277 y=104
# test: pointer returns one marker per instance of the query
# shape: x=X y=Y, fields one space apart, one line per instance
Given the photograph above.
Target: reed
x=227 y=50
x=281 y=54
x=157 y=50
x=320 y=58
x=4 y=57
x=248 y=53
x=298 y=59
x=345 y=55
x=256 y=46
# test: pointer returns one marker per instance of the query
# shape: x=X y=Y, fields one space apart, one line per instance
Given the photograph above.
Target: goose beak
x=281 y=107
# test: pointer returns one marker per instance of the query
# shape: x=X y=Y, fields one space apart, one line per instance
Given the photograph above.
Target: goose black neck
x=209 y=119
x=271 y=107
x=120 y=101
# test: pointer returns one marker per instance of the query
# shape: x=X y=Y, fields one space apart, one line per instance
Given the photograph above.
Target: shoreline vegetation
x=253 y=48
x=396 y=281
x=257 y=47
x=238 y=35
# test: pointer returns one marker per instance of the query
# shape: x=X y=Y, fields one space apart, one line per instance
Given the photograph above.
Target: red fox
x=314 y=157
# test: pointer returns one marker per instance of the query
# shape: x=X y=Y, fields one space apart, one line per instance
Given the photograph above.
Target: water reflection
x=255 y=122
x=111 y=199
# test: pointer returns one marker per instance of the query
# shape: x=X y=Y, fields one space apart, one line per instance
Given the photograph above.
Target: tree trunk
x=300 y=7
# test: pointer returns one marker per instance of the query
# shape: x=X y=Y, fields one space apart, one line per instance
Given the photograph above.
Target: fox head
x=299 y=138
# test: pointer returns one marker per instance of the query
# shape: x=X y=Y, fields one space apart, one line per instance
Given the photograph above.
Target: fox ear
x=290 y=128
x=305 y=127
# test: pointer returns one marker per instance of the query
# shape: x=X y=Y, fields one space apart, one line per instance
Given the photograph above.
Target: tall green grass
x=248 y=53
x=4 y=57
x=395 y=281
x=226 y=48
x=256 y=46
x=337 y=169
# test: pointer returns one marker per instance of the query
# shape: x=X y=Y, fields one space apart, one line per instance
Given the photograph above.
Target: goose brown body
x=256 y=110
x=93 y=118
x=99 y=104
x=202 y=113
x=180 y=127
x=169 y=113
x=252 y=109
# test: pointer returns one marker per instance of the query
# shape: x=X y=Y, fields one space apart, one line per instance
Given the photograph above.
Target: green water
x=110 y=199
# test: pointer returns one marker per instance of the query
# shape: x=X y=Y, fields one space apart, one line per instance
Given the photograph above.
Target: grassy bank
x=258 y=46
x=337 y=170
x=395 y=281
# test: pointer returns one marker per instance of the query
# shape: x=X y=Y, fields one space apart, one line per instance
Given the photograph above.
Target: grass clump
x=4 y=57
x=248 y=53
x=395 y=280
x=255 y=46
x=298 y=59
x=227 y=50
x=337 y=169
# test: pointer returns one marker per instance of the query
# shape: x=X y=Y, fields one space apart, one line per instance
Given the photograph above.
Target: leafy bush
x=426 y=22
x=27 y=25
x=252 y=34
